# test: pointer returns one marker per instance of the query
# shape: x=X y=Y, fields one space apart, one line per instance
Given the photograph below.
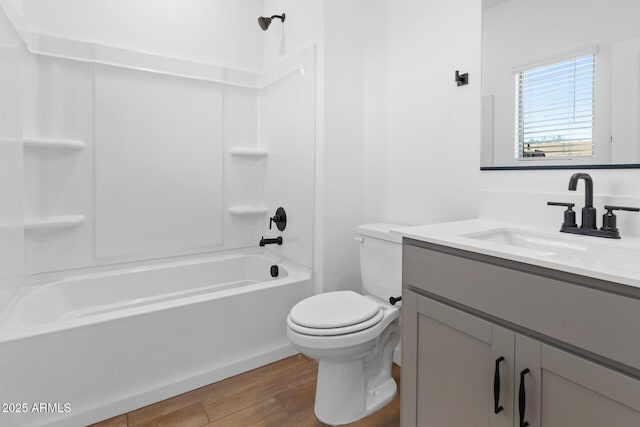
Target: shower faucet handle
x=280 y=218
x=273 y=219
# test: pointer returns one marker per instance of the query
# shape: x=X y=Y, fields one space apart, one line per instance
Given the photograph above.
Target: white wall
x=422 y=144
x=221 y=32
x=343 y=139
x=377 y=95
x=302 y=28
x=400 y=139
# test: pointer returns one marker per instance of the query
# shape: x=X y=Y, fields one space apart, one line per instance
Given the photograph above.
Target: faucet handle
x=569 y=214
x=611 y=208
x=568 y=205
x=609 y=220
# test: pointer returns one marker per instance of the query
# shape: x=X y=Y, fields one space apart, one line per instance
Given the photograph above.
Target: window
x=555 y=110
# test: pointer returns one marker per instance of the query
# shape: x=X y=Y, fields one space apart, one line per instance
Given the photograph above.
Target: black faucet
x=588 y=211
x=276 y=241
x=589 y=226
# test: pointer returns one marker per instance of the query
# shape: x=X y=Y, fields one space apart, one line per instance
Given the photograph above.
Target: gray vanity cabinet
x=449 y=370
x=454 y=378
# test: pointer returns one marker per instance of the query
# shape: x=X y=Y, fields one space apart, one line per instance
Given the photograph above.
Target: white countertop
x=614 y=260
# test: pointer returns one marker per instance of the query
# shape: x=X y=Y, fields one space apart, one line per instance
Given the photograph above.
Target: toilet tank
x=381 y=260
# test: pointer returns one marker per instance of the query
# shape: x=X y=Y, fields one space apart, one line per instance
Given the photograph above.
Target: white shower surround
x=113 y=333
x=69 y=96
x=111 y=341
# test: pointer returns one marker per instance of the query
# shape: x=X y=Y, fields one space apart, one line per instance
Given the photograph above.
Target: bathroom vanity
x=510 y=327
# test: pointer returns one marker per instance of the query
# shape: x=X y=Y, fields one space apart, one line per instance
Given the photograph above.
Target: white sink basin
x=607 y=259
x=588 y=252
x=525 y=239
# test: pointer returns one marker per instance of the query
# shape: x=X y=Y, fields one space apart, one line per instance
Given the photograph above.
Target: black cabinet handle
x=522 y=399
x=496 y=387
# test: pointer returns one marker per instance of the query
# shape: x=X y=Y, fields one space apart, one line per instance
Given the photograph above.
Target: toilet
x=353 y=336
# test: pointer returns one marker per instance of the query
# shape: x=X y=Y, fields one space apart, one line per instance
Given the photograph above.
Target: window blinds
x=555 y=106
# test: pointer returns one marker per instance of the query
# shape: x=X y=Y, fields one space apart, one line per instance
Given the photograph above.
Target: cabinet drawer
x=597 y=321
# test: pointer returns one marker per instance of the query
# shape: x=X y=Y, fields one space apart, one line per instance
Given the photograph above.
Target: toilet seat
x=334 y=313
x=335 y=331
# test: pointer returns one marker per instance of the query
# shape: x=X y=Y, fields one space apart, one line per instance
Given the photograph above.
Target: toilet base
x=349 y=401
x=381 y=395
x=350 y=390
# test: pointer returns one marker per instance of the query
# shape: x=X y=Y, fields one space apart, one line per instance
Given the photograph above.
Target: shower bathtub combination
x=138 y=182
x=100 y=343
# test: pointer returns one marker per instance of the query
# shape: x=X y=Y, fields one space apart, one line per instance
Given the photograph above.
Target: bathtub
x=97 y=344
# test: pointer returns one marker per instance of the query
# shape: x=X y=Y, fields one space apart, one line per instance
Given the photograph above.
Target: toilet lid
x=333 y=310
x=320 y=332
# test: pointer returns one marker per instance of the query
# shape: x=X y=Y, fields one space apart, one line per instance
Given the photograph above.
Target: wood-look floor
x=277 y=395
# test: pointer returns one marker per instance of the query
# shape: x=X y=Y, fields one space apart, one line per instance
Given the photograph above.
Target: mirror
x=560 y=83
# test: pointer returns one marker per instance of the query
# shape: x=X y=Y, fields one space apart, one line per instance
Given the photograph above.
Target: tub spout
x=276 y=241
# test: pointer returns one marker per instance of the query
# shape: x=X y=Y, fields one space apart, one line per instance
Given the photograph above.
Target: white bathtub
x=100 y=344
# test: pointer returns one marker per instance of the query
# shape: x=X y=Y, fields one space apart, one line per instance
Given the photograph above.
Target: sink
x=613 y=260
x=529 y=240
x=582 y=251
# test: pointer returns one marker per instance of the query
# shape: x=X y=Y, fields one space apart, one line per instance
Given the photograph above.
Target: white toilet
x=352 y=336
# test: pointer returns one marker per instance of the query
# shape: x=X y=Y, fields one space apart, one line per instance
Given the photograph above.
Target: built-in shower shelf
x=53 y=144
x=249 y=152
x=247 y=210
x=53 y=222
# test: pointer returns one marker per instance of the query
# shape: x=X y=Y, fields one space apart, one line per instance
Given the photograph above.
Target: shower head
x=265 y=21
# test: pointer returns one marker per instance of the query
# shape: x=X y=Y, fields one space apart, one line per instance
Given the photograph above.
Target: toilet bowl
x=353 y=336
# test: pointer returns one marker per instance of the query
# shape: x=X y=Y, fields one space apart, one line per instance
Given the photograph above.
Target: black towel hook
x=462 y=79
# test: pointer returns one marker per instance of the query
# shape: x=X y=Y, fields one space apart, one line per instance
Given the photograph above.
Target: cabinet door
x=450 y=367
x=577 y=392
